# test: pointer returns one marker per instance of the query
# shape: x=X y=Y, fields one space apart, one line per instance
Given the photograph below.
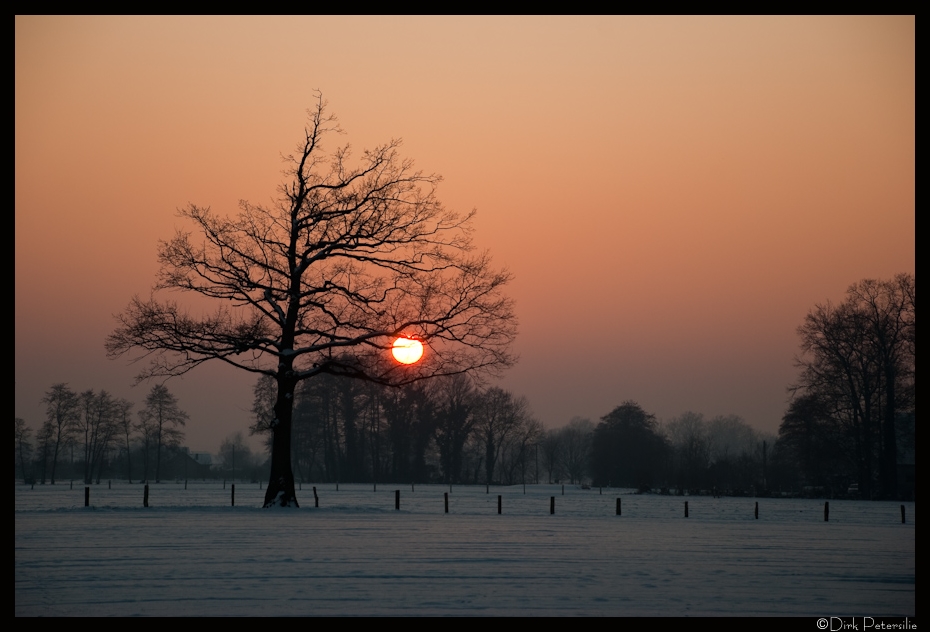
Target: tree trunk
x=280 y=490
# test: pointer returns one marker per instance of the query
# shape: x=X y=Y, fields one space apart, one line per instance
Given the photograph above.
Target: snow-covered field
x=191 y=553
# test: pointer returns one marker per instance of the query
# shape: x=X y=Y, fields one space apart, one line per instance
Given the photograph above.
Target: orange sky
x=672 y=194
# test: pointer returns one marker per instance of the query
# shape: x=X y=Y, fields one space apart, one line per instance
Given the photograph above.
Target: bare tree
x=349 y=257
x=576 y=447
x=456 y=399
x=235 y=455
x=125 y=426
x=688 y=435
x=23 y=447
x=498 y=416
x=858 y=359
x=97 y=424
x=160 y=421
x=61 y=412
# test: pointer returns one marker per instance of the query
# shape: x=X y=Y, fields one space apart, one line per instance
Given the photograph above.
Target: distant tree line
x=92 y=434
x=629 y=447
x=848 y=430
x=444 y=430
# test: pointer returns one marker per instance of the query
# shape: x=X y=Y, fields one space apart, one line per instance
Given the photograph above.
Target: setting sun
x=407 y=350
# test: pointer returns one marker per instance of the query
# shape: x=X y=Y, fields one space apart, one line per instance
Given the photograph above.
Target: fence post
x=757 y=510
x=109 y=484
x=396 y=499
x=498 y=504
x=87 y=496
x=446 y=495
x=551 y=505
x=902 y=514
x=316 y=499
x=145 y=496
x=233 y=495
x=618 y=506
x=686 y=509
x=826 y=511
x=563 y=489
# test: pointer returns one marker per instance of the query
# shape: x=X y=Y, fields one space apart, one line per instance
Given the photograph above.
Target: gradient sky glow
x=672 y=194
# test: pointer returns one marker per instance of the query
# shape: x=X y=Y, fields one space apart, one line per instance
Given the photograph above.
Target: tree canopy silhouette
x=350 y=256
x=627 y=448
x=857 y=363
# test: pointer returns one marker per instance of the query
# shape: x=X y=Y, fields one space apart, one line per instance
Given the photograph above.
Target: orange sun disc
x=407 y=350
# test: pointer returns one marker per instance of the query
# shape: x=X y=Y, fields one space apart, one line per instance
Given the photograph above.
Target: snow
x=191 y=553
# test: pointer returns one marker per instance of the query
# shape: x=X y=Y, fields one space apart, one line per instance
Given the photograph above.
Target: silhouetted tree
x=22 y=446
x=96 y=427
x=160 y=422
x=235 y=455
x=687 y=434
x=576 y=440
x=61 y=413
x=455 y=421
x=552 y=449
x=822 y=451
x=628 y=450
x=857 y=359
x=499 y=414
x=125 y=427
x=348 y=258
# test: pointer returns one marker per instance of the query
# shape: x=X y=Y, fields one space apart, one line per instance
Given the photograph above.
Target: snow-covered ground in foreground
x=191 y=553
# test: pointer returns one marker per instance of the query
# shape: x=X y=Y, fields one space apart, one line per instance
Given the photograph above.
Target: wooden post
x=411 y=487
x=563 y=489
x=233 y=495
x=757 y=510
x=375 y=487
x=826 y=511
x=87 y=496
x=396 y=499
x=224 y=483
x=316 y=499
x=551 y=505
x=109 y=484
x=600 y=491
x=686 y=509
x=145 y=496
x=487 y=488
x=72 y=484
x=446 y=495
x=618 y=506
x=902 y=514
x=498 y=504
x=185 y=483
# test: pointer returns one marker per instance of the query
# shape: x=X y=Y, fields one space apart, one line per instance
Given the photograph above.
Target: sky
x=671 y=194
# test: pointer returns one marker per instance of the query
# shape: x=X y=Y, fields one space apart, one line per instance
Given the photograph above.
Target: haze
x=672 y=194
